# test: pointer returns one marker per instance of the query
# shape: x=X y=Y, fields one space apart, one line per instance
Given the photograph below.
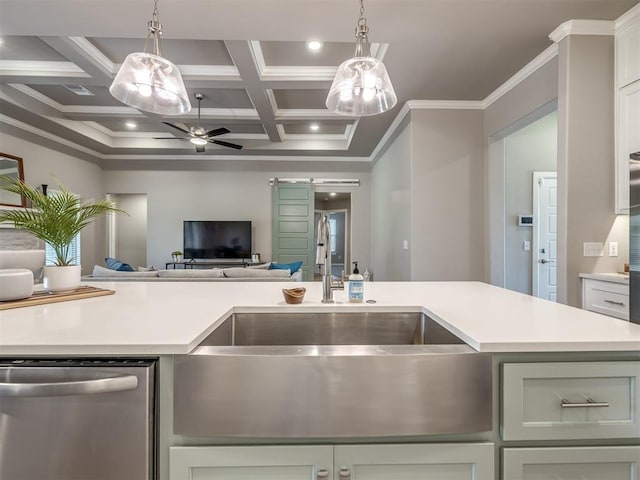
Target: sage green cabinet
x=571 y=463
x=455 y=461
x=570 y=400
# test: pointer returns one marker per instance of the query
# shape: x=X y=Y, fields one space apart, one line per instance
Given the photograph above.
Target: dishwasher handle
x=81 y=387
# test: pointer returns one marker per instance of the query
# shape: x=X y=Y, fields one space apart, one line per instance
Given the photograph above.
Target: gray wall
x=131 y=229
x=44 y=165
x=533 y=148
x=447 y=193
x=391 y=210
x=586 y=161
x=175 y=196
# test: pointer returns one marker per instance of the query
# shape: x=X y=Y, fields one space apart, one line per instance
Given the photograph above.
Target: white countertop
x=607 y=277
x=173 y=317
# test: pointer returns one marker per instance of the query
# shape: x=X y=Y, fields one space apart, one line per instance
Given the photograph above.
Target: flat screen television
x=217 y=239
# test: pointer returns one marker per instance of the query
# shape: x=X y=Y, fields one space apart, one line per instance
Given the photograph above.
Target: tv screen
x=211 y=240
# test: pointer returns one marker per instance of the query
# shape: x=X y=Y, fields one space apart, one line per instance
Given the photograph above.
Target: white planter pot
x=15 y=284
x=61 y=279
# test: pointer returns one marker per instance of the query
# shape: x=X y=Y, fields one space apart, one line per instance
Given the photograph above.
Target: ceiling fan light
x=151 y=83
x=198 y=141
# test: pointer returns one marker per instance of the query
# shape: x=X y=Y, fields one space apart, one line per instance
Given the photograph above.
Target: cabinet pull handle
x=344 y=474
x=590 y=403
x=614 y=302
x=323 y=474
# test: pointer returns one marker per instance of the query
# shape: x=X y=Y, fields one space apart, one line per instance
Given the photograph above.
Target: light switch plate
x=613 y=249
x=405 y=244
x=593 y=249
x=526 y=245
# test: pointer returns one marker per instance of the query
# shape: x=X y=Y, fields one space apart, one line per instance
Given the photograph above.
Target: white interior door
x=545 y=235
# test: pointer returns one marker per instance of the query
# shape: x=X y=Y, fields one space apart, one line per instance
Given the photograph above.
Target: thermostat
x=525 y=220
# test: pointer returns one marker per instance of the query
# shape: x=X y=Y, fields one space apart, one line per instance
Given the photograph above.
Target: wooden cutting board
x=41 y=297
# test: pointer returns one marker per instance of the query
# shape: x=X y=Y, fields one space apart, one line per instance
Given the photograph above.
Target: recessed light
x=131 y=124
x=1 y=40
x=314 y=45
x=333 y=194
x=314 y=127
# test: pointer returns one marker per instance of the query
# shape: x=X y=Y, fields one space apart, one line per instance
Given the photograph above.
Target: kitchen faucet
x=323 y=258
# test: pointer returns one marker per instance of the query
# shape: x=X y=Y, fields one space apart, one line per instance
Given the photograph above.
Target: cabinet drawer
x=559 y=401
x=607 y=298
x=570 y=463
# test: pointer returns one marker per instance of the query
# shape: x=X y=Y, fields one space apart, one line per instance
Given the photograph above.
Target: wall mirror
x=11 y=166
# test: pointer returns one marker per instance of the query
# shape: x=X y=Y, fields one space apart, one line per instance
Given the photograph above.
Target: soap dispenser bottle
x=356 y=285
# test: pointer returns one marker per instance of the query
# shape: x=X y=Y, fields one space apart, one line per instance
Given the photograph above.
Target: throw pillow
x=115 y=264
x=293 y=267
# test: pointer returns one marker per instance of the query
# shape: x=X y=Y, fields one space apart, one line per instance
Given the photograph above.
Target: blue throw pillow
x=293 y=267
x=115 y=264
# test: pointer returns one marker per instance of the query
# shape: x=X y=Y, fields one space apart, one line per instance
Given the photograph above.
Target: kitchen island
x=537 y=349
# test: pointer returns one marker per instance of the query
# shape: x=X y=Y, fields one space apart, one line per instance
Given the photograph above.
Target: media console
x=214 y=263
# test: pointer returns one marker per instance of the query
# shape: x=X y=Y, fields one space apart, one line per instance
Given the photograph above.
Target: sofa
x=259 y=273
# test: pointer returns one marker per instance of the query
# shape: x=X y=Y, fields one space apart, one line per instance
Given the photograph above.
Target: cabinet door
x=250 y=463
x=571 y=463
x=628 y=54
x=474 y=461
x=627 y=140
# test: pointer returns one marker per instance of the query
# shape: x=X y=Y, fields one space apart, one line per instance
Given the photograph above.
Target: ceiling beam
x=240 y=52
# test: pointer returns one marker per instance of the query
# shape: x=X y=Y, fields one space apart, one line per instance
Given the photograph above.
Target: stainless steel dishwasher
x=77 y=419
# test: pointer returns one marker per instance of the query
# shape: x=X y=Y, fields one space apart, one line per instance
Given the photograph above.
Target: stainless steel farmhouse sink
x=331 y=375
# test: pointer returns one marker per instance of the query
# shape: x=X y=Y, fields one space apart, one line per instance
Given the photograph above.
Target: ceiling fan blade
x=226 y=144
x=217 y=131
x=200 y=148
x=169 y=138
x=176 y=127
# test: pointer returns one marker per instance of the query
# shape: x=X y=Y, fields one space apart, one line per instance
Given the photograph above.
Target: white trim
x=350 y=131
x=390 y=131
x=296 y=74
x=283 y=114
x=583 y=27
x=535 y=247
x=93 y=54
x=265 y=158
x=36 y=131
x=258 y=58
x=445 y=104
x=36 y=95
x=627 y=18
x=41 y=69
x=541 y=60
x=272 y=99
x=209 y=72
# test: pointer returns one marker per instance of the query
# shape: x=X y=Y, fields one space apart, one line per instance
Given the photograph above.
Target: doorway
x=337 y=206
x=127 y=234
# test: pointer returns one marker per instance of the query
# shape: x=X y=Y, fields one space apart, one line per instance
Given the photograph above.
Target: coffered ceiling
x=250 y=60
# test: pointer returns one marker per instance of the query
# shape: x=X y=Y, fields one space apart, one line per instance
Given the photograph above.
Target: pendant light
x=149 y=82
x=361 y=85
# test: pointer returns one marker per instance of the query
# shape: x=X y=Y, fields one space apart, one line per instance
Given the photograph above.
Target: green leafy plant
x=55 y=218
x=176 y=252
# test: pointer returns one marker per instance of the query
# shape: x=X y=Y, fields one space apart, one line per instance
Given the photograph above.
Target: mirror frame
x=23 y=202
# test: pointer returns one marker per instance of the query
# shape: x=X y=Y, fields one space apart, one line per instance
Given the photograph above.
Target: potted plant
x=177 y=256
x=55 y=218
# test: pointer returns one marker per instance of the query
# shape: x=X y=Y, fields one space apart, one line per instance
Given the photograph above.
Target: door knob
x=544 y=260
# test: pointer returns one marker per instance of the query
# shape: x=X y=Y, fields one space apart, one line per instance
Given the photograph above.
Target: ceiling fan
x=198 y=135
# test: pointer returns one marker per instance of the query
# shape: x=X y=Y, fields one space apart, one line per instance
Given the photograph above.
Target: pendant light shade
x=362 y=85
x=149 y=82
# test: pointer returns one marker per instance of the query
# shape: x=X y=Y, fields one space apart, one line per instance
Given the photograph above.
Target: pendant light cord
x=155 y=29
x=362 y=32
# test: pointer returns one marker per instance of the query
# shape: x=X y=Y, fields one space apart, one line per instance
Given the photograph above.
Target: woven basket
x=293 y=295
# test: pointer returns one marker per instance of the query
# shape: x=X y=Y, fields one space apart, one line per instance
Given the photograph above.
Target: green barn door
x=293 y=226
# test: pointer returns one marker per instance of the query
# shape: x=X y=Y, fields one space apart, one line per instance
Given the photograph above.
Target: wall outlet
x=526 y=245
x=613 y=249
x=405 y=244
x=593 y=249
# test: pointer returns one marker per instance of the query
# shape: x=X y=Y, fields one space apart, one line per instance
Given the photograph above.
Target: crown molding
x=263 y=158
x=628 y=18
x=583 y=27
x=33 y=68
x=547 y=55
x=445 y=104
x=91 y=52
x=282 y=114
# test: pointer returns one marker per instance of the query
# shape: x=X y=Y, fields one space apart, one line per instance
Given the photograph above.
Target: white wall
x=131 y=229
x=175 y=196
x=586 y=161
x=44 y=165
x=391 y=210
x=533 y=148
x=447 y=195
